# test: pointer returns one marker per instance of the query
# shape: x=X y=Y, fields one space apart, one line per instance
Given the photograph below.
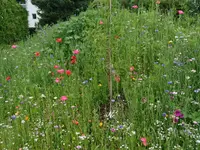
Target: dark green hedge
x=13 y=21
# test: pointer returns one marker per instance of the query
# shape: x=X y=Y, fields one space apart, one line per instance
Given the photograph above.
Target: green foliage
x=53 y=11
x=14 y=21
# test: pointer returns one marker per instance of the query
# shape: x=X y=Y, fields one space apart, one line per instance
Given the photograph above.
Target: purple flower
x=112 y=130
x=78 y=147
x=13 y=117
x=177 y=113
x=175 y=119
x=181 y=116
x=112 y=100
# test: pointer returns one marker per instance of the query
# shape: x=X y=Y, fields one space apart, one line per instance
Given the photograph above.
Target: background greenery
x=14 y=21
x=53 y=11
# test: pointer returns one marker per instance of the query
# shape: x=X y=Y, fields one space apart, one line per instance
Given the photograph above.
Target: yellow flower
x=99 y=84
x=170 y=42
x=100 y=124
x=133 y=78
x=17 y=113
x=26 y=118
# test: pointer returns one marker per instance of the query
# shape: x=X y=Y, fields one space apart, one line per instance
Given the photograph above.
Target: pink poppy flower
x=61 y=71
x=180 y=12
x=63 y=98
x=132 y=68
x=57 y=80
x=100 y=22
x=144 y=141
x=56 y=66
x=76 y=51
x=157 y=2
x=14 y=46
x=135 y=6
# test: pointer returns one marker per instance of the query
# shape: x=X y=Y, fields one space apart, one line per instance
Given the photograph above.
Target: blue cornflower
x=86 y=81
x=197 y=91
x=164 y=114
x=120 y=126
x=13 y=117
x=170 y=82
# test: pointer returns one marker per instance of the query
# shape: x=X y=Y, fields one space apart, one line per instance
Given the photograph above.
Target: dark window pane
x=34 y=16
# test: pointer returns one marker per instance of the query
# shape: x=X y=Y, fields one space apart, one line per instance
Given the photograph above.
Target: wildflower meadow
x=55 y=86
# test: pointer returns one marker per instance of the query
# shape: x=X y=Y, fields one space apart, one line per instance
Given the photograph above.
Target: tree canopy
x=52 y=11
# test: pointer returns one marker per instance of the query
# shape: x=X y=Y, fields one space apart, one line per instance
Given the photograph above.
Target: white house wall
x=32 y=9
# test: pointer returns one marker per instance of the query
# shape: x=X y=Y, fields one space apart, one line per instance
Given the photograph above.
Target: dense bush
x=14 y=21
x=53 y=11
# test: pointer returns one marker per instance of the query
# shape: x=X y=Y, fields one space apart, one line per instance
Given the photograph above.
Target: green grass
x=165 y=79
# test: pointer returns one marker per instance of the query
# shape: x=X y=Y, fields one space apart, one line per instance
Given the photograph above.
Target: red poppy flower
x=75 y=122
x=116 y=37
x=59 y=40
x=73 y=59
x=37 y=54
x=117 y=78
x=8 y=78
x=68 y=72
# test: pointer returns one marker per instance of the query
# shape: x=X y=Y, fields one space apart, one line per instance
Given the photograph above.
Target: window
x=34 y=16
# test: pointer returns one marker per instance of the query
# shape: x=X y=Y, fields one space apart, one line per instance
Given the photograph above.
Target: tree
x=13 y=21
x=52 y=11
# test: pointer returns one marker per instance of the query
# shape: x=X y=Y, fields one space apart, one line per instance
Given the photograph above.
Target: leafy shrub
x=14 y=23
x=59 y=10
